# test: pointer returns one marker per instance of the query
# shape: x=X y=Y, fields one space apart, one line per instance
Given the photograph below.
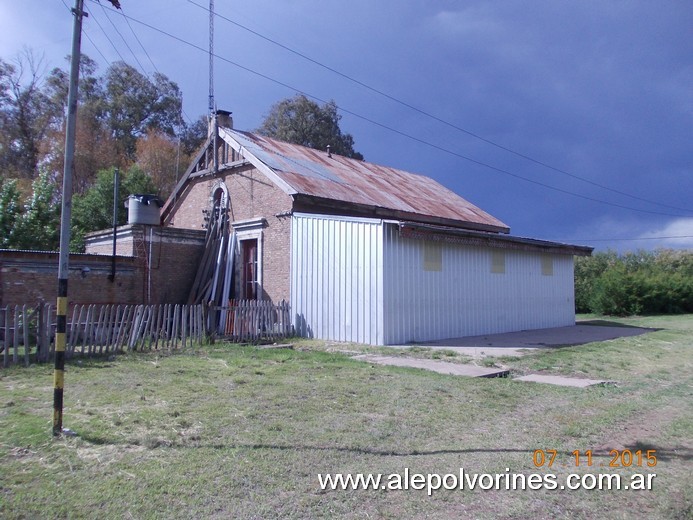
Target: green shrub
x=643 y=282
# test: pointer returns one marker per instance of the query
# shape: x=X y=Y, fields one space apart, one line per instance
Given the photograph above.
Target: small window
x=498 y=262
x=432 y=256
x=547 y=265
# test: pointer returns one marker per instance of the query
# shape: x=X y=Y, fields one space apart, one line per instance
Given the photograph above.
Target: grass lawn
x=238 y=432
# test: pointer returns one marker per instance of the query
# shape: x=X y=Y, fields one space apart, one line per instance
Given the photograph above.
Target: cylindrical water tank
x=144 y=209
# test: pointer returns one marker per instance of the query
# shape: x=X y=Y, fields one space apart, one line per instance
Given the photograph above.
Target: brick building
x=363 y=252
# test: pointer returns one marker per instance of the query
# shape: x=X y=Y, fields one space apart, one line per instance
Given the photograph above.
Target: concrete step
x=562 y=380
x=441 y=367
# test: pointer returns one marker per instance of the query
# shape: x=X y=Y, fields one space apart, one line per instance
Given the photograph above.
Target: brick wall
x=28 y=277
x=167 y=257
x=173 y=268
x=251 y=196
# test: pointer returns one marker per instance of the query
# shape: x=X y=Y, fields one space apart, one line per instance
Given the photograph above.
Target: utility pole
x=116 y=181
x=65 y=219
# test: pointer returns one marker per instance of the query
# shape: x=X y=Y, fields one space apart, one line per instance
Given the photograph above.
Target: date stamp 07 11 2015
x=617 y=459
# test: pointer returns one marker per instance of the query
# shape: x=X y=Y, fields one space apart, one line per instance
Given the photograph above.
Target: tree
x=9 y=212
x=302 y=121
x=159 y=156
x=38 y=226
x=93 y=210
x=134 y=104
x=26 y=115
x=193 y=136
x=95 y=150
x=116 y=111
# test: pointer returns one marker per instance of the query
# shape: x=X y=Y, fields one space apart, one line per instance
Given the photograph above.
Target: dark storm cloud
x=598 y=89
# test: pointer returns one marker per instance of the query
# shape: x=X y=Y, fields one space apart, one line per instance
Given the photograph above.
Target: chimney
x=224 y=119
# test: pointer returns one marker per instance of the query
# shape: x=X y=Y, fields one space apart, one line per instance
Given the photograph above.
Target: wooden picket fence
x=27 y=332
x=251 y=321
x=94 y=330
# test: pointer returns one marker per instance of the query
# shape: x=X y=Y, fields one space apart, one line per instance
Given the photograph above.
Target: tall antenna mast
x=211 y=58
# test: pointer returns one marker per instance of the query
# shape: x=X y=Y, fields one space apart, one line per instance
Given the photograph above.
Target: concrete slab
x=523 y=342
x=288 y=346
x=441 y=367
x=561 y=380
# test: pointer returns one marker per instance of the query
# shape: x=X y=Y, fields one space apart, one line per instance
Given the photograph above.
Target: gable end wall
x=251 y=195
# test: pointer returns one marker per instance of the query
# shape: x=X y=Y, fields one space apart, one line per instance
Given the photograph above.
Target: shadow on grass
x=616 y=324
x=662 y=454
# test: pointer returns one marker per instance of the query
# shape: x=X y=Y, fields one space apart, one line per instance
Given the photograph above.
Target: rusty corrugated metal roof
x=313 y=173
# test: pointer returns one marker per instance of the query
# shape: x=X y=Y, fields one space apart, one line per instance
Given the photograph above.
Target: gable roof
x=324 y=183
x=314 y=176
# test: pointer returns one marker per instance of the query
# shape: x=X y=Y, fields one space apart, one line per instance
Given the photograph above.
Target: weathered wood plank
x=86 y=340
x=25 y=332
x=74 y=329
x=40 y=329
x=6 y=353
x=15 y=336
x=174 y=332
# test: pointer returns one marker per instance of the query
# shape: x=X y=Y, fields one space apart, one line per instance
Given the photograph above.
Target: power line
x=675 y=237
x=141 y=46
x=399 y=132
x=85 y=33
x=152 y=61
x=93 y=43
x=124 y=40
x=107 y=37
x=432 y=116
x=129 y=48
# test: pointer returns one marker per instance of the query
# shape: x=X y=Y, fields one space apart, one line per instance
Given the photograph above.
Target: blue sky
x=601 y=92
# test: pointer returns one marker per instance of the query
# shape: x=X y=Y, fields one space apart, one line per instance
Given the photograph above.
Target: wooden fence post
x=77 y=313
x=174 y=326
x=6 y=352
x=40 y=326
x=15 y=336
x=25 y=333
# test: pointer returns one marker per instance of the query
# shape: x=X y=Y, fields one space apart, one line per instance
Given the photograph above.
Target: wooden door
x=249 y=279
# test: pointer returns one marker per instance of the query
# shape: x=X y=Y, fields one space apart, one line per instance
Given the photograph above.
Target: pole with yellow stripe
x=66 y=215
x=59 y=371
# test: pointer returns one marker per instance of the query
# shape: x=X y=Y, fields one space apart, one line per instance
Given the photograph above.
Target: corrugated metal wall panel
x=466 y=298
x=336 y=278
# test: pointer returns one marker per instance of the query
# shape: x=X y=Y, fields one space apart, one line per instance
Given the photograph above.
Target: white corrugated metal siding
x=336 y=278
x=359 y=280
x=465 y=297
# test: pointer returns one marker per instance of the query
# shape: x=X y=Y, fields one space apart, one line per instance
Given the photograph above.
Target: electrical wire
x=107 y=37
x=93 y=43
x=645 y=238
x=142 y=46
x=96 y=47
x=124 y=40
x=434 y=117
x=151 y=61
x=119 y=12
x=676 y=237
x=401 y=133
